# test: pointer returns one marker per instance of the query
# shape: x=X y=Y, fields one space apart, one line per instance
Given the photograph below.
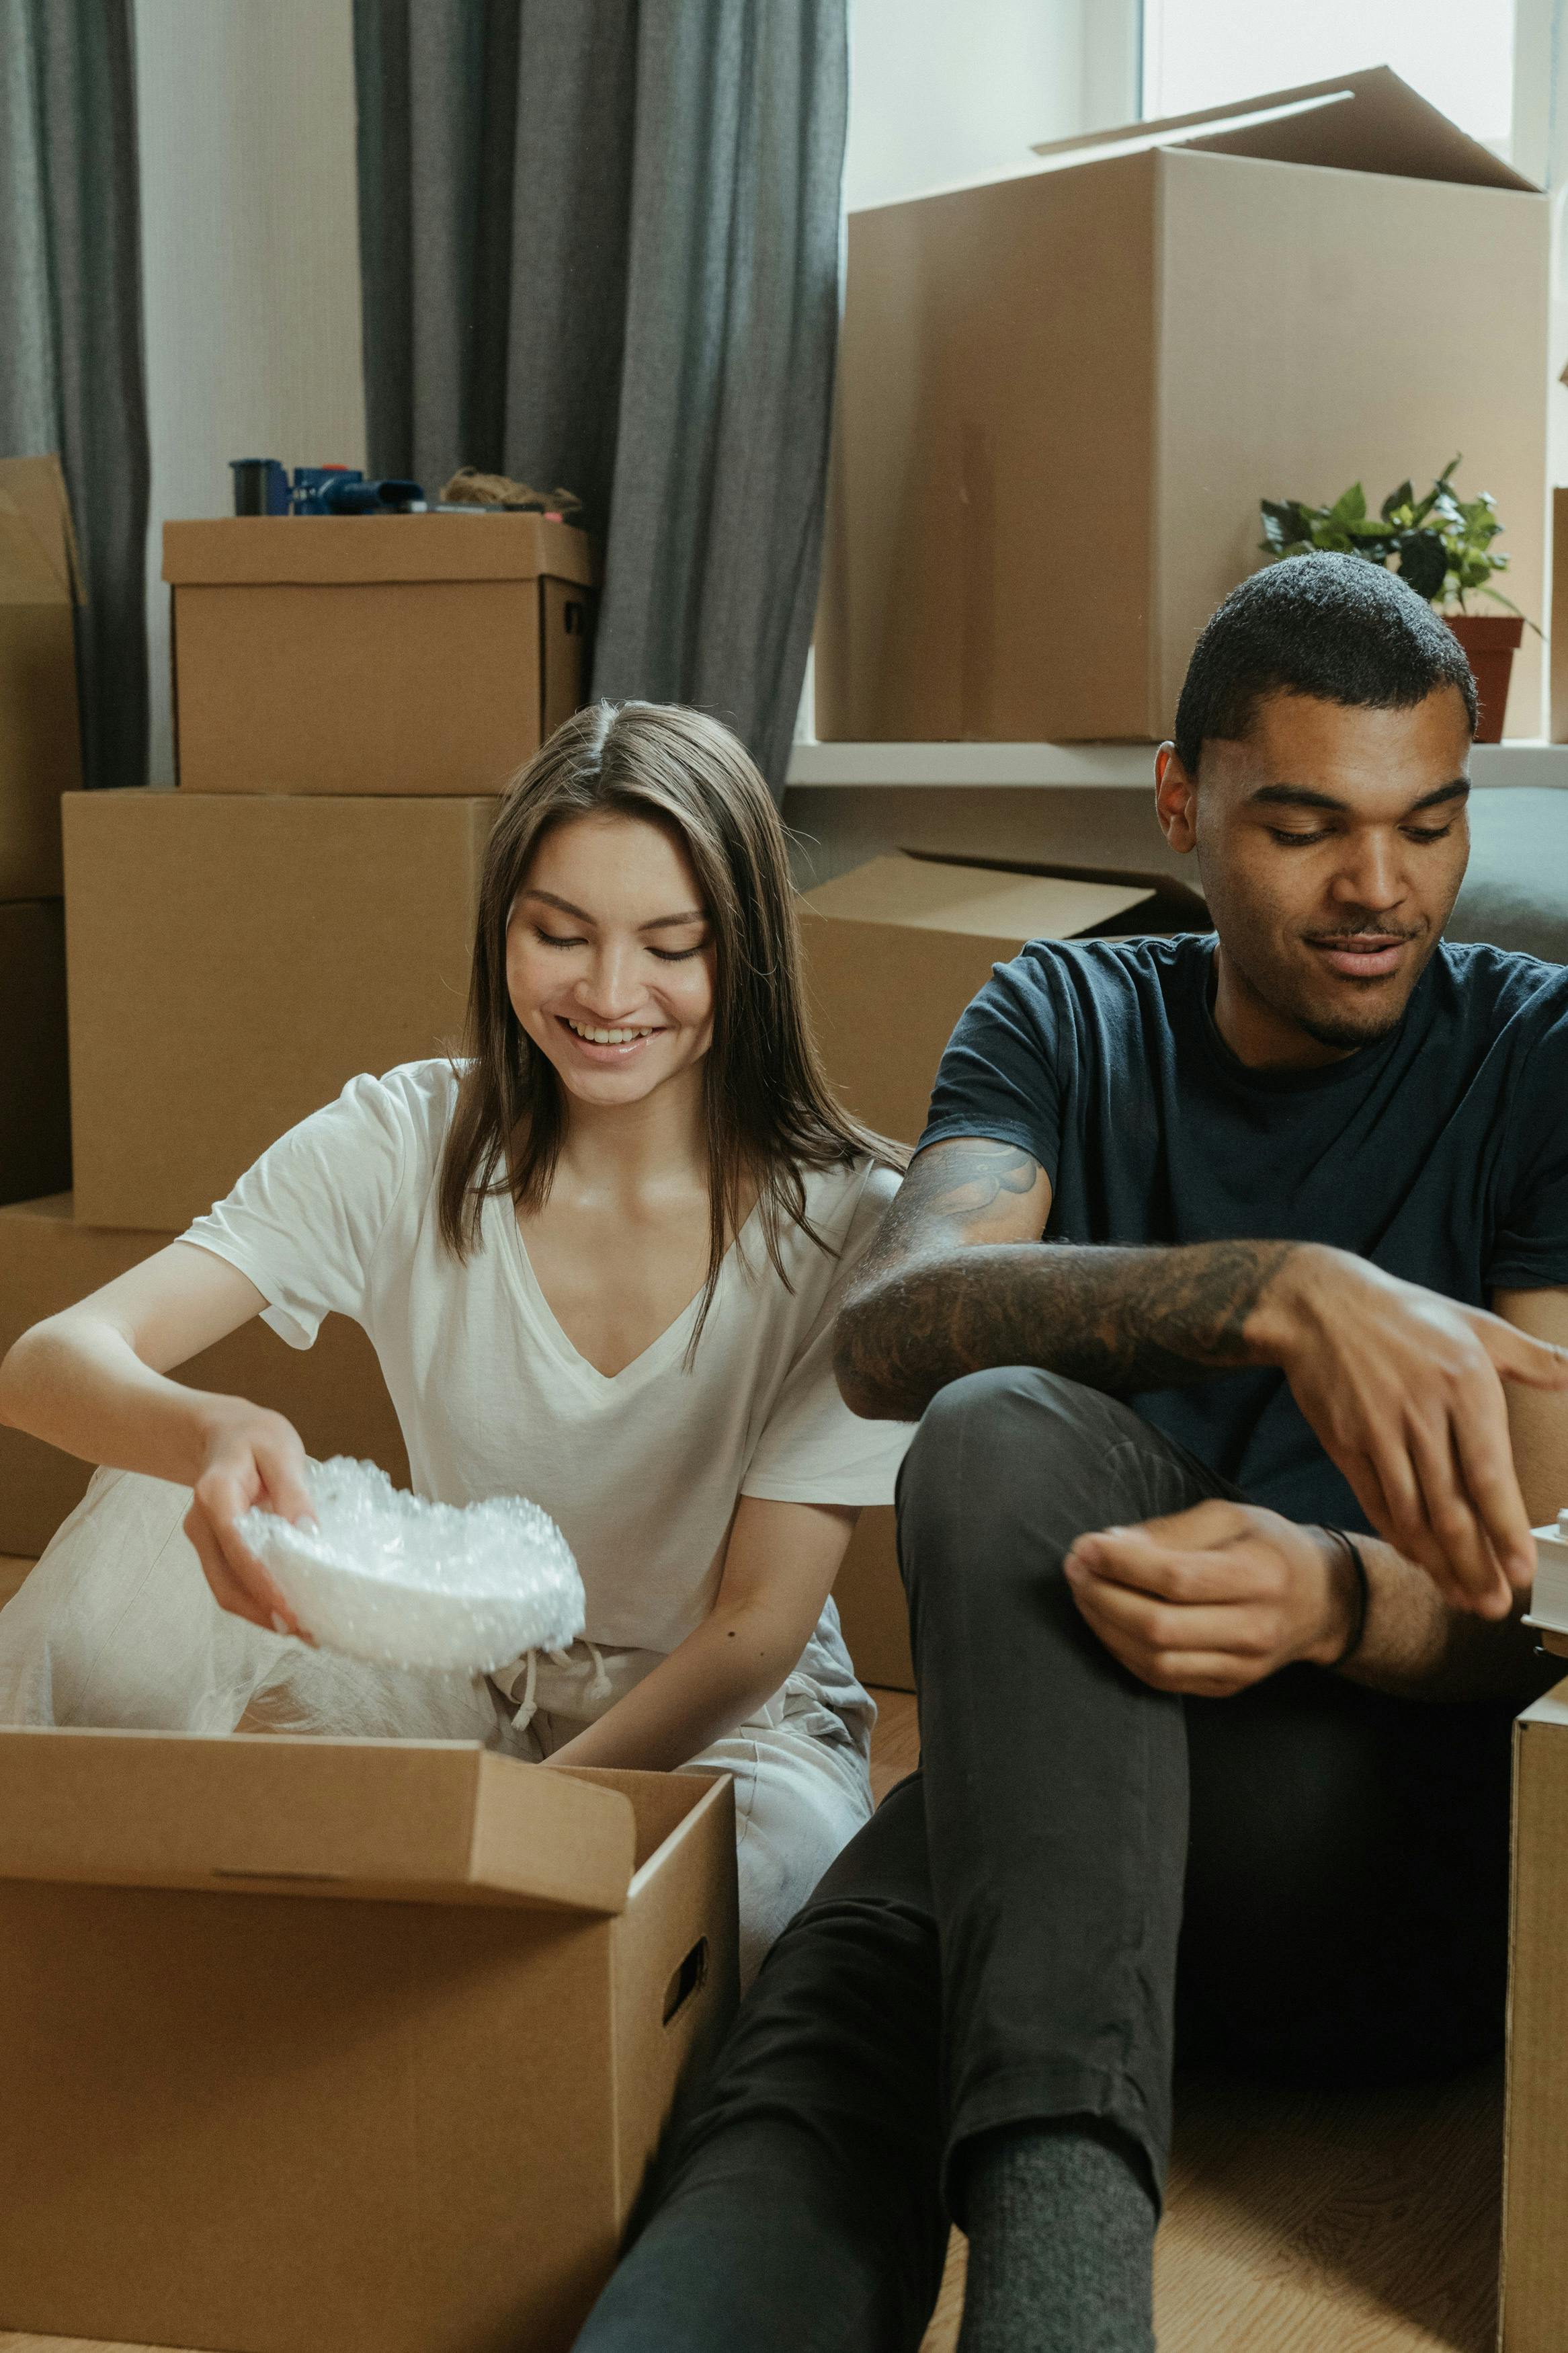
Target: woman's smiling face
x=609 y=958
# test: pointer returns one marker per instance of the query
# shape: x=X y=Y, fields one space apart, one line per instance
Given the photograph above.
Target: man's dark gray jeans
x=1310 y=1880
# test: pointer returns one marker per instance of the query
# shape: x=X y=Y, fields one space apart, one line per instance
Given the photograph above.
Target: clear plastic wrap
x=404 y=1582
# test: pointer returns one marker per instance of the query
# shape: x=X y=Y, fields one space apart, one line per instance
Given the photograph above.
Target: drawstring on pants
x=599 y=1687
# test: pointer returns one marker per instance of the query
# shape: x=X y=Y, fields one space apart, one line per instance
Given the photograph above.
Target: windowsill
x=1119 y=767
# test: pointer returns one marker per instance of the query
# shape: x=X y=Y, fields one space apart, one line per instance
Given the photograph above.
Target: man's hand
x=1404 y=1392
x=1215 y=1598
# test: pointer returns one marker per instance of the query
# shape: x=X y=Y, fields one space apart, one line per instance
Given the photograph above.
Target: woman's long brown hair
x=768 y=1112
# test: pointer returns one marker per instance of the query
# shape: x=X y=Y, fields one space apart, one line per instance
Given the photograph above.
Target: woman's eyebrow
x=659 y=923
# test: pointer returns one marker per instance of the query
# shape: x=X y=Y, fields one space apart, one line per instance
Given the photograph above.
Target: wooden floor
x=1293 y=2224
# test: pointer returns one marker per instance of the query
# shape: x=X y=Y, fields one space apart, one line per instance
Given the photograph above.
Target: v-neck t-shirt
x=641 y=1468
x=1440 y=1152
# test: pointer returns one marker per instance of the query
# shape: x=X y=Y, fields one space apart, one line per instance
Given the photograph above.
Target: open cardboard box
x=896 y=949
x=235 y=958
x=333 y=1393
x=1535 y=2180
x=372 y=653
x=309 y=2044
x=1062 y=394
x=40 y=743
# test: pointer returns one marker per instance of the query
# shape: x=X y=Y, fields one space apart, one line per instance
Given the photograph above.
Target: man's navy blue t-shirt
x=1440 y=1153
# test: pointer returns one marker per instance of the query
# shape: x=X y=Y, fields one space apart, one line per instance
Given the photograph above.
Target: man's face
x=1332 y=843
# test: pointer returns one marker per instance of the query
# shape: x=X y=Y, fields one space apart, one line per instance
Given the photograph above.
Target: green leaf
x=1350 y=506
x=1403 y=496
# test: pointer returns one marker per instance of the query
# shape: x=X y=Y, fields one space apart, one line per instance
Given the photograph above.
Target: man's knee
x=1014 y=1442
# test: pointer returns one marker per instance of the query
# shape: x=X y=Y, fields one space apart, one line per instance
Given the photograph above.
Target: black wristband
x=1363 y=1593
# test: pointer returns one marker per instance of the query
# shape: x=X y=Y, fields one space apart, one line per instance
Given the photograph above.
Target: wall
x=250 y=258
x=943 y=90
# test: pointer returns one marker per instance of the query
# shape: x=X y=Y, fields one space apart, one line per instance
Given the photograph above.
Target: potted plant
x=1442 y=544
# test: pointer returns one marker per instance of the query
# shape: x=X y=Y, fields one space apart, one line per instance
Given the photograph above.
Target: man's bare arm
x=959 y=1280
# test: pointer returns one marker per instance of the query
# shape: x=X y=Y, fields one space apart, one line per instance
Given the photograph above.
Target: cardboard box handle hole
x=690 y=1973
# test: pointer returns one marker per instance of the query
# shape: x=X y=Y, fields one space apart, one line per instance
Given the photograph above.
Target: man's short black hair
x=1334 y=627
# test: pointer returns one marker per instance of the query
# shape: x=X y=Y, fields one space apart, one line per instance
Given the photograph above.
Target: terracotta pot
x=1491 y=642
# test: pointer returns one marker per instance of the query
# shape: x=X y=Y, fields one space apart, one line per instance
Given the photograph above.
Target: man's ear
x=1176 y=801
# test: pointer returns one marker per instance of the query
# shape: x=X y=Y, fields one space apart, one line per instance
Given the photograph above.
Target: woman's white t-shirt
x=640 y=1470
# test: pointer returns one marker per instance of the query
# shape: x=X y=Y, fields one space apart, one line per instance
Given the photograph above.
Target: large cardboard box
x=1535 y=2181
x=1061 y=396
x=895 y=950
x=373 y=654
x=333 y=1393
x=309 y=2044
x=870 y=1594
x=40 y=742
x=234 y=959
x=1558 y=635
x=34 y=1081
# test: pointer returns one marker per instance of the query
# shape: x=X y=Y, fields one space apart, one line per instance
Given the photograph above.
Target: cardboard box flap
x=1551 y=1708
x=244 y=551
x=1364 y=122
x=35 y=489
x=984 y=903
x=429 y=1822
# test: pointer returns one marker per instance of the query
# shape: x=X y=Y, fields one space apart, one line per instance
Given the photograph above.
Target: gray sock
x=1061 y=2242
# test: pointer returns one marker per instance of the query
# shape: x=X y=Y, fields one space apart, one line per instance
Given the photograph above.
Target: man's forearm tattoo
x=928 y=1307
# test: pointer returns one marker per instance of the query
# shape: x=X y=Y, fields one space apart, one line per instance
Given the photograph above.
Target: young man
x=1202 y=1752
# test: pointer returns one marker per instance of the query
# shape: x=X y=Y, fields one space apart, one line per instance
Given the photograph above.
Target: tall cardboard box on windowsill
x=40 y=745
x=310 y=2043
x=1062 y=395
x=333 y=1393
x=234 y=959
x=372 y=653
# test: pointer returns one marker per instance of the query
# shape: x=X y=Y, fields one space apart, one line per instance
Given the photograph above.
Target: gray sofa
x=1515 y=893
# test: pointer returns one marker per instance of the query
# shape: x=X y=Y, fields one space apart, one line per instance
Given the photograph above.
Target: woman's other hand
x=253 y=1461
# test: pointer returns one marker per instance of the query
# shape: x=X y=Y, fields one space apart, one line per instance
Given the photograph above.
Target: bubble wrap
x=392 y=1577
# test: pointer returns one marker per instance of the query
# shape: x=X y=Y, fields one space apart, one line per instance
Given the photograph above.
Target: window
x=1457 y=53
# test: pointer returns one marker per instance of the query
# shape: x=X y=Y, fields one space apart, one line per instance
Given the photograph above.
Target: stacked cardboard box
x=351 y=696
x=40 y=758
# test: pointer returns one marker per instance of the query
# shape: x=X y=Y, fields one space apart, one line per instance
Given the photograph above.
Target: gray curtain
x=600 y=242
x=70 y=331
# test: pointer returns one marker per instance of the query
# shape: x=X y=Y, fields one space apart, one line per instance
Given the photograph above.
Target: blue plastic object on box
x=343 y=489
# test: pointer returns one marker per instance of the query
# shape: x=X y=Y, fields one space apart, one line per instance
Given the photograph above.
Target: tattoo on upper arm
x=945 y=1187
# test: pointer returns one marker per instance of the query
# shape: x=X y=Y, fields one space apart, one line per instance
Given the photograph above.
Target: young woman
x=599 y=1261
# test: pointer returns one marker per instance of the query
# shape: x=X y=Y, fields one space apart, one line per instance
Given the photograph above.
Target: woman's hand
x=252 y=1458
x=1405 y=1391
x=1215 y=1598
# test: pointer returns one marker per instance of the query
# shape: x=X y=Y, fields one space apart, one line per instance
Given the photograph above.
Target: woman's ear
x=1176 y=801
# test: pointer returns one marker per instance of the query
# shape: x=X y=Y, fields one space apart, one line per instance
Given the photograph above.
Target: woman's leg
x=799 y=2206
x=799 y=1800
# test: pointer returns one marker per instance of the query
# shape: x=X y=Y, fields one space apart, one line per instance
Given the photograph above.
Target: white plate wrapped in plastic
x=391 y=1577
